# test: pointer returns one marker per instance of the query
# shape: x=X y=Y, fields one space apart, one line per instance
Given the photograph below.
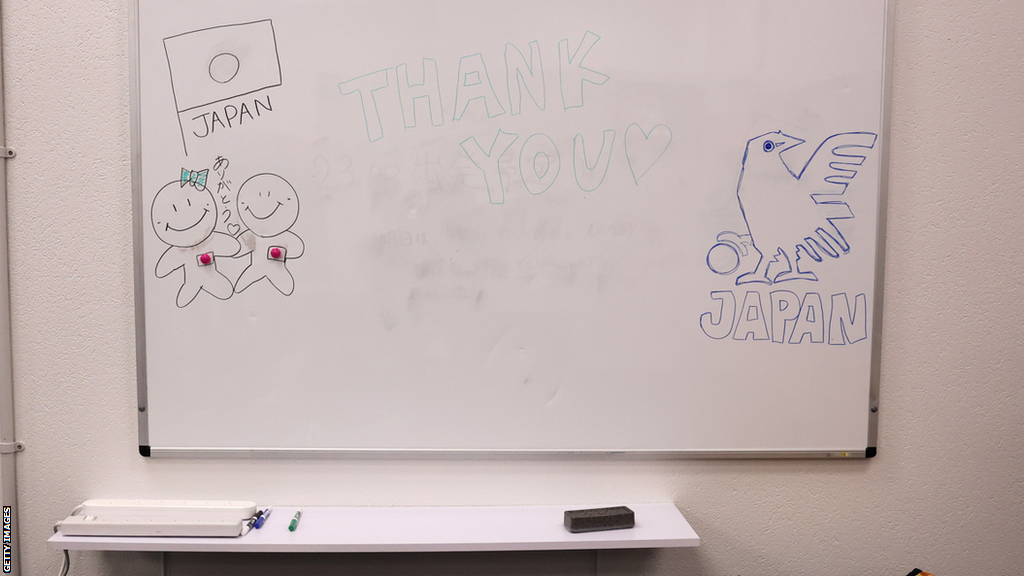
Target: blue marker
x=263 y=518
x=252 y=521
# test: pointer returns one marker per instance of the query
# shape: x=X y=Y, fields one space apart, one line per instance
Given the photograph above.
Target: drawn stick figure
x=184 y=215
x=268 y=207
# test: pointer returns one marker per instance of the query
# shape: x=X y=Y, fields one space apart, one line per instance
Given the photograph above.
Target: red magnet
x=275 y=253
x=205 y=259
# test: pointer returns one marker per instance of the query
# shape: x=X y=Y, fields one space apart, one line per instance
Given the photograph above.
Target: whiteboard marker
x=263 y=518
x=295 y=521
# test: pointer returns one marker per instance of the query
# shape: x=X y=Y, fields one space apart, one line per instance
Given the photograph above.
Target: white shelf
x=420 y=529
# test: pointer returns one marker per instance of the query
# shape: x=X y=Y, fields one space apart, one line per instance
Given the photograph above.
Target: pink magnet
x=205 y=258
x=275 y=253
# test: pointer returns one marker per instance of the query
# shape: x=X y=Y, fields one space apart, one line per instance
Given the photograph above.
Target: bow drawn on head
x=195 y=179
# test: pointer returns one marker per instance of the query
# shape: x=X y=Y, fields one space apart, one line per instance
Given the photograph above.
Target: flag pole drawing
x=216 y=64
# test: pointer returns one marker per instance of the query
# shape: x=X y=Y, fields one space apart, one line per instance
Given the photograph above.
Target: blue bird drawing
x=790 y=211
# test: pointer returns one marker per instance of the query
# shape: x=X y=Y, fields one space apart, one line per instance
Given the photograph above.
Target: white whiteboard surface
x=493 y=227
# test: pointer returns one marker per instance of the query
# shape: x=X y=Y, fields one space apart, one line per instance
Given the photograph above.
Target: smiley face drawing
x=268 y=206
x=184 y=216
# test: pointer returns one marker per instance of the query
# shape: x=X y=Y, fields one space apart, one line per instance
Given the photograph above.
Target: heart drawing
x=644 y=149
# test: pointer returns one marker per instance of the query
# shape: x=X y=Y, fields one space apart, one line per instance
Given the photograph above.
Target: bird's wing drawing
x=828 y=171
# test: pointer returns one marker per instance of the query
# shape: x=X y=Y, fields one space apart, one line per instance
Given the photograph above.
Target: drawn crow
x=790 y=213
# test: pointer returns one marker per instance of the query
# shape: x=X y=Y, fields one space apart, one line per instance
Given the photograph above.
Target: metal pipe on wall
x=9 y=446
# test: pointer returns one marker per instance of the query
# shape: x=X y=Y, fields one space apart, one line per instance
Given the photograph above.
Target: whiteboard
x=464 y=226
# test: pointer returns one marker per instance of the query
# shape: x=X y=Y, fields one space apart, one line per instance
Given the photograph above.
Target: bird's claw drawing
x=796 y=272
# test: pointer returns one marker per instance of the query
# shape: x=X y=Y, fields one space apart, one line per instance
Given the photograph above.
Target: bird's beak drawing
x=786 y=142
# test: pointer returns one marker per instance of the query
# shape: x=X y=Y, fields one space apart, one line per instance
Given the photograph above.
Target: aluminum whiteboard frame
x=135 y=99
x=138 y=224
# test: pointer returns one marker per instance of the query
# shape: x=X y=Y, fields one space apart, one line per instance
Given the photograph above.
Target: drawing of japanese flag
x=222 y=62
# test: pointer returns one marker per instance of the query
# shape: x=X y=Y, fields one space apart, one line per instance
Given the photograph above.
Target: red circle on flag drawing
x=224 y=67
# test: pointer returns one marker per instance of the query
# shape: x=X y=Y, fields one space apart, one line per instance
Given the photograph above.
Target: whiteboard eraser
x=594 y=519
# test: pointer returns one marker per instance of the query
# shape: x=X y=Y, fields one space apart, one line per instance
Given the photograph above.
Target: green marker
x=295 y=521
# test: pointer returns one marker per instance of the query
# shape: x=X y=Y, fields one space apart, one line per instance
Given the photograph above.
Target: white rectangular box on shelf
x=161 y=518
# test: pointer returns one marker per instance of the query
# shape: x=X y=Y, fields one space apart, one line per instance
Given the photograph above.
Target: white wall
x=946 y=492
